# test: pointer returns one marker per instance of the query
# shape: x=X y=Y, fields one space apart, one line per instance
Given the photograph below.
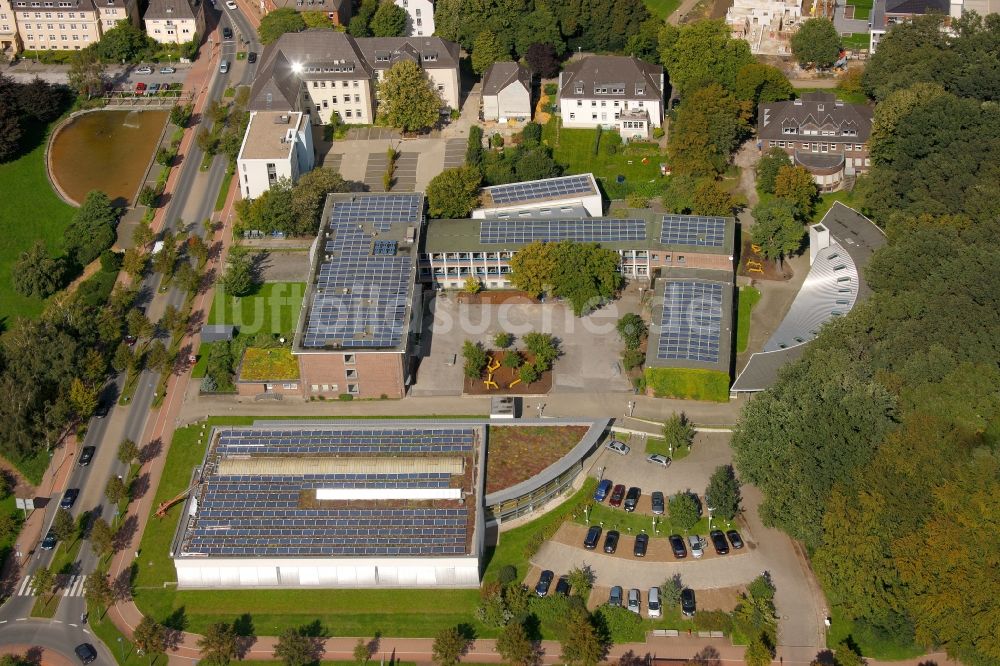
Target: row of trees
x=787 y=199
x=290 y=209
x=25 y=107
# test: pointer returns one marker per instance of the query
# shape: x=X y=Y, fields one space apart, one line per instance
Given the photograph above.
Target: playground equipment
x=755 y=248
x=489 y=383
x=755 y=267
x=493 y=366
x=516 y=381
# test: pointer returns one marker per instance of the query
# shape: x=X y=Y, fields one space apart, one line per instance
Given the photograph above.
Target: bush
x=181 y=115
x=165 y=156
x=658 y=132
x=531 y=135
x=346 y=397
x=636 y=200
x=551 y=89
x=111 y=262
x=496 y=141
x=507 y=575
x=622 y=625
x=633 y=358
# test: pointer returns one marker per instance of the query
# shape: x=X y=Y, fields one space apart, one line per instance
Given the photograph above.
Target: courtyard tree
x=544 y=348
x=768 y=167
x=406 y=98
x=453 y=193
x=218 y=644
x=150 y=637
x=816 y=43
x=278 y=22
x=776 y=230
x=512 y=359
x=360 y=25
x=36 y=274
x=584 y=274
x=723 y=492
x=796 y=184
x=486 y=50
x=317 y=19
x=389 y=20
x=683 y=508
x=449 y=646
x=632 y=330
x=678 y=431
x=528 y=374
x=503 y=339
x=475 y=359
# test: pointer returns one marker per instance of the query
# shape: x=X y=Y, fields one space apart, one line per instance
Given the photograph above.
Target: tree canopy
x=486 y=50
x=817 y=43
x=36 y=274
x=92 y=230
x=278 y=22
x=389 y=20
x=453 y=193
x=767 y=168
x=775 y=229
x=709 y=127
x=406 y=98
x=584 y=274
x=702 y=53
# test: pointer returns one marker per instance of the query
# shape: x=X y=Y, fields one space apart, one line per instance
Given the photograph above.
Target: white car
x=634 y=601
x=144 y=70
x=657 y=459
x=621 y=448
x=167 y=70
x=653 y=602
x=230 y=4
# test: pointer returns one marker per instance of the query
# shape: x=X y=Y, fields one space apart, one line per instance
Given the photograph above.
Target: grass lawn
x=688 y=384
x=842 y=629
x=661 y=8
x=518 y=453
x=45 y=606
x=220 y=201
x=7 y=541
x=657 y=445
x=748 y=297
x=856 y=41
x=201 y=365
x=273 y=309
x=66 y=556
x=849 y=97
x=102 y=626
x=272 y=363
x=574 y=149
x=611 y=518
x=34 y=467
x=862 y=8
x=31 y=212
x=826 y=201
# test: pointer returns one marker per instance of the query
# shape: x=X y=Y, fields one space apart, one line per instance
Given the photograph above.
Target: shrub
x=622 y=625
x=633 y=358
x=147 y=196
x=658 y=132
x=111 y=261
x=496 y=140
x=503 y=339
x=346 y=397
x=551 y=89
x=636 y=200
x=531 y=135
x=507 y=575
x=165 y=156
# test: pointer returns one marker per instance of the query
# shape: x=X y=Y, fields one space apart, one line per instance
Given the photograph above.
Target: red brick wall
x=378 y=373
x=719 y=262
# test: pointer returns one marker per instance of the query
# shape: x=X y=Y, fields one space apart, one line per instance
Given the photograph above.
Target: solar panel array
x=552 y=188
x=361 y=298
x=693 y=230
x=263 y=515
x=691 y=323
x=589 y=230
x=384 y=248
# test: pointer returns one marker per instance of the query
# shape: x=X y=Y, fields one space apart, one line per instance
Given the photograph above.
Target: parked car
x=632 y=498
x=86 y=455
x=694 y=541
x=719 y=542
x=615 y=599
x=621 y=448
x=658 y=503
x=634 y=600
x=688 y=606
x=101 y=410
x=154 y=88
x=252 y=57
x=69 y=498
x=544 y=581
x=145 y=69
x=657 y=459
x=603 y=488
x=617 y=495
x=49 y=542
x=677 y=545
x=224 y=67
x=653 y=602
x=735 y=539
x=611 y=541
x=86 y=652
x=641 y=543
x=230 y=4
x=593 y=536
x=562 y=586
x=167 y=70
x=227 y=32
x=140 y=88
x=130 y=340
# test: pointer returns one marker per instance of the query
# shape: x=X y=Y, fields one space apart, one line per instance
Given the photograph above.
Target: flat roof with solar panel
x=337 y=491
x=693 y=230
x=692 y=324
x=362 y=290
x=590 y=230
x=549 y=189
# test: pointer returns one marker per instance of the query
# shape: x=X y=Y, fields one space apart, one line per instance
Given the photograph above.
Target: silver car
x=634 y=601
x=621 y=448
x=657 y=459
x=697 y=550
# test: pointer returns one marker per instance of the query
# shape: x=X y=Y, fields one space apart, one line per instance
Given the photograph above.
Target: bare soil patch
x=505 y=378
x=768 y=270
x=498 y=297
x=517 y=453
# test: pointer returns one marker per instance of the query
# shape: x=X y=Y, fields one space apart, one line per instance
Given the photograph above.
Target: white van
x=653 y=602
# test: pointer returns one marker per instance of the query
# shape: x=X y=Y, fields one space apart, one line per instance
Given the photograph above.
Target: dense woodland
x=879 y=448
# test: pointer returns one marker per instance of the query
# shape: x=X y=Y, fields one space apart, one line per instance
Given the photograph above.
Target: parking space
x=454 y=153
x=374 y=171
x=405 y=173
x=285 y=266
x=332 y=161
x=372 y=134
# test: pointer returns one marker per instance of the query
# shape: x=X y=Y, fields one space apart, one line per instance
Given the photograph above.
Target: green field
x=826 y=201
x=856 y=41
x=274 y=309
x=662 y=8
x=748 y=297
x=574 y=150
x=30 y=211
x=657 y=445
x=688 y=384
x=862 y=8
x=840 y=93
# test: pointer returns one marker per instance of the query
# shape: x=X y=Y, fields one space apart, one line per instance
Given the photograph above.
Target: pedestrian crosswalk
x=68 y=586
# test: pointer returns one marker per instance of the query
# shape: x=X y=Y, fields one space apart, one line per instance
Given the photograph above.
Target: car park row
x=617 y=597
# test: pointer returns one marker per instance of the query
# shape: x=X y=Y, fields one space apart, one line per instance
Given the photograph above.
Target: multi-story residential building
x=613 y=92
x=10 y=41
x=57 y=25
x=887 y=13
x=323 y=72
x=419 y=17
x=339 y=11
x=506 y=92
x=821 y=133
x=174 y=21
x=277 y=144
x=114 y=11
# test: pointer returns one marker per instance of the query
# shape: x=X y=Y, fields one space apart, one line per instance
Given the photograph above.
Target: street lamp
x=122 y=646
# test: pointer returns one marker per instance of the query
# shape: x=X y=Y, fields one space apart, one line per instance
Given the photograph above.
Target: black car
x=562 y=586
x=49 y=542
x=86 y=455
x=101 y=410
x=86 y=652
x=719 y=542
x=687 y=602
x=658 y=503
x=677 y=545
x=252 y=57
x=593 y=536
x=69 y=498
x=631 y=499
x=641 y=543
x=544 y=581
x=735 y=539
x=611 y=541
x=227 y=32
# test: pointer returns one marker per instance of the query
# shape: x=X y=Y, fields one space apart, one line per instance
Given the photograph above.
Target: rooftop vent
x=281 y=120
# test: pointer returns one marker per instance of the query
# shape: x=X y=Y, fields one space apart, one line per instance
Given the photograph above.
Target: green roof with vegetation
x=273 y=363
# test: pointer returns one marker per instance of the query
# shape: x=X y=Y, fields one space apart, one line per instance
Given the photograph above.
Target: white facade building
x=613 y=92
x=276 y=145
x=10 y=41
x=59 y=25
x=419 y=17
x=174 y=21
x=506 y=92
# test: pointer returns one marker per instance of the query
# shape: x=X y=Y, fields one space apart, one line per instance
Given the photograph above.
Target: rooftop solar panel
x=551 y=188
x=691 y=323
x=693 y=230
x=590 y=230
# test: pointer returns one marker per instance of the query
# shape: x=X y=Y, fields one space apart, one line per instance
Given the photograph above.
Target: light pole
x=122 y=646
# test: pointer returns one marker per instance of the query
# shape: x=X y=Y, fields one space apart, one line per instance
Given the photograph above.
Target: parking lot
x=404 y=175
x=454 y=153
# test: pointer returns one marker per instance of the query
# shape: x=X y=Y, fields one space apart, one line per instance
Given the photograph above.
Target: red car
x=617 y=495
x=140 y=88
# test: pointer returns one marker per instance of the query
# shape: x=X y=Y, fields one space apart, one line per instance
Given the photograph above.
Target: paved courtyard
x=590 y=360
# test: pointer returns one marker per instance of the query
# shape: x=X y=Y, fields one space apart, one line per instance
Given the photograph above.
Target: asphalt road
x=64 y=632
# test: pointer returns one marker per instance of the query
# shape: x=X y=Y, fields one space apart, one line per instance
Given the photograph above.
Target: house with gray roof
x=338 y=11
x=323 y=72
x=887 y=13
x=174 y=21
x=507 y=92
x=614 y=92
x=821 y=133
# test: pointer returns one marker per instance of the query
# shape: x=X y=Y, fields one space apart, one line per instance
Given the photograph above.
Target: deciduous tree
x=453 y=193
x=278 y=22
x=678 y=431
x=128 y=451
x=543 y=60
x=218 y=644
x=796 y=184
x=723 y=492
x=632 y=330
x=776 y=230
x=449 y=646
x=515 y=646
x=43 y=581
x=150 y=636
x=124 y=42
x=240 y=277
x=296 y=648
x=712 y=198
x=581 y=643
x=86 y=72
x=486 y=50
x=710 y=125
x=389 y=20
x=309 y=195
x=36 y=274
x=817 y=43
x=92 y=230
x=63 y=526
x=406 y=99
x=702 y=53
x=683 y=510
x=98 y=590
x=102 y=537
x=767 y=168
